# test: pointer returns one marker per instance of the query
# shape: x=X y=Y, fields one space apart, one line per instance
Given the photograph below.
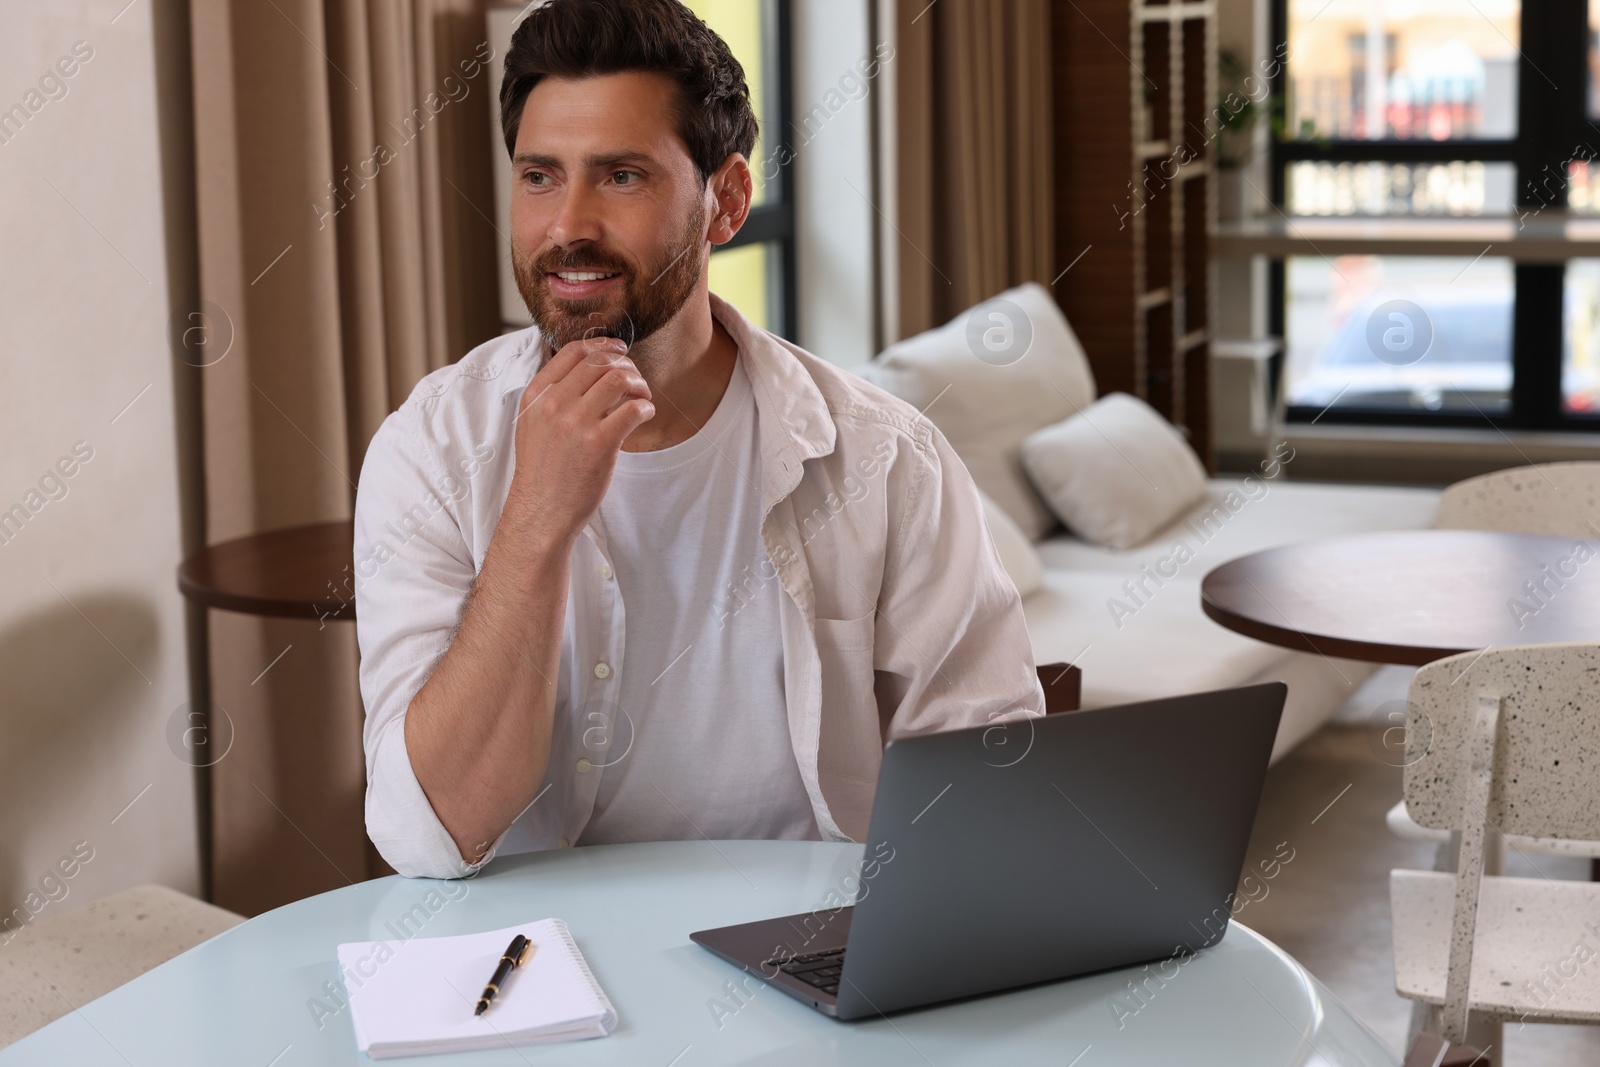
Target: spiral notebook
x=416 y=997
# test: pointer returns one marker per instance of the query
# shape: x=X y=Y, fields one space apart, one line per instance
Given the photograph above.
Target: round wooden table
x=1413 y=596
x=300 y=572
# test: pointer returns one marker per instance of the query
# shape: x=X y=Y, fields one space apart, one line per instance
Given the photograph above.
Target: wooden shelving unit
x=1135 y=185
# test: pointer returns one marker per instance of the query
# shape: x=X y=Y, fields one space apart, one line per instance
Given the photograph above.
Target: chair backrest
x=1063 y=687
x=1504 y=740
x=1546 y=772
x=1559 y=499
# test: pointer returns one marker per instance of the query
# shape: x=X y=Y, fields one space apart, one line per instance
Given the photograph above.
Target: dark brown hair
x=583 y=38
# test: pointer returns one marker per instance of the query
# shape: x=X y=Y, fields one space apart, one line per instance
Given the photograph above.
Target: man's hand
x=573 y=419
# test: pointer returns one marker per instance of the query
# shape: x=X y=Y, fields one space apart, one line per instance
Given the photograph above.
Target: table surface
x=301 y=572
x=250 y=996
x=1410 y=596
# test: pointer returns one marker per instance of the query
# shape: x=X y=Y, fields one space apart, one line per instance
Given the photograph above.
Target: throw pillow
x=987 y=379
x=1116 y=472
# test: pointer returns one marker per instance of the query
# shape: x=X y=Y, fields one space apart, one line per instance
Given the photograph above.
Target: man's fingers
x=615 y=346
x=627 y=417
x=597 y=351
x=593 y=351
x=576 y=368
x=616 y=385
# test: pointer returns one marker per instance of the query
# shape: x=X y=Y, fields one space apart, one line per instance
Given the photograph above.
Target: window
x=755 y=271
x=1369 y=70
x=1412 y=333
x=1580 y=367
x=1399 y=109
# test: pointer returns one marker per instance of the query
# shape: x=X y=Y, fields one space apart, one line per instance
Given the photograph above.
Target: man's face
x=608 y=216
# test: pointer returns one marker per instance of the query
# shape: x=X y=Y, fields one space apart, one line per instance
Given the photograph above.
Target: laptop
x=1021 y=852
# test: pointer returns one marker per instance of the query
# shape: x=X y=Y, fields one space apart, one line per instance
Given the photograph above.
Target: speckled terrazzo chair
x=1558 y=499
x=1503 y=742
x=59 y=962
x=1562 y=499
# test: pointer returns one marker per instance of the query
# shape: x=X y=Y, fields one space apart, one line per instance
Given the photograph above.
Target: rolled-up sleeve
x=953 y=647
x=413 y=574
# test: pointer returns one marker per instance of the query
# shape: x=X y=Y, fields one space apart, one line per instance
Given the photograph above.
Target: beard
x=649 y=300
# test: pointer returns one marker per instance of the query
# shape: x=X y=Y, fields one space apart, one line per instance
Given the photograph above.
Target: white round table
x=267 y=993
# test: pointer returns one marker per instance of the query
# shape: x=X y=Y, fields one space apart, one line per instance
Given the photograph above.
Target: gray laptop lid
x=1055 y=846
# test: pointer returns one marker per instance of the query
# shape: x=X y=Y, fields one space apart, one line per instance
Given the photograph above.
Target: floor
x=1328 y=905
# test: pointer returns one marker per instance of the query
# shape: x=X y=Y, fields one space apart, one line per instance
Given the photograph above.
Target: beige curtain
x=345 y=193
x=973 y=153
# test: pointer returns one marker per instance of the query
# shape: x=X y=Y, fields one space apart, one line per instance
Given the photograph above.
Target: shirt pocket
x=845 y=648
x=847 y=635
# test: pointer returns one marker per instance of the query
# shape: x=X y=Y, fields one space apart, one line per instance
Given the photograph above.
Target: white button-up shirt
x=898 y=618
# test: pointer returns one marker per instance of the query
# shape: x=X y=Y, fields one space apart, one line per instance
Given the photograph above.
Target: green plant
x=1236 y=112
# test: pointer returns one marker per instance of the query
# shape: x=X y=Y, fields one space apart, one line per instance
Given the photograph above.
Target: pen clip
x=526 y=954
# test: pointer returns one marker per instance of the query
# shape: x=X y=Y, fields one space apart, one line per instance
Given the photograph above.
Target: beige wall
x=92 y=636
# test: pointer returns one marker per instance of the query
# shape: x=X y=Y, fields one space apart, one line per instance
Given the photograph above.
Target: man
x=645 y=571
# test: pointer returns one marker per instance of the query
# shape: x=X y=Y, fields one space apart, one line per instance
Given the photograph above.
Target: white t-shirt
x=700 y=746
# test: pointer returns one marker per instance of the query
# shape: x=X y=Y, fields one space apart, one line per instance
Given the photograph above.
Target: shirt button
x=605 y=571
x=602 y=670
x=584 y=765
x=565 y=843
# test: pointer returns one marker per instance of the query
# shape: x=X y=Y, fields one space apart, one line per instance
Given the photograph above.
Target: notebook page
x=425 y=992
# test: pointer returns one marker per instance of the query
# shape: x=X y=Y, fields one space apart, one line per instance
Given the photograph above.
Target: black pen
x=517 y=953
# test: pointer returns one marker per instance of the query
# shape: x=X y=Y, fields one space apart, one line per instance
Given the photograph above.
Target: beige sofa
x=1011 y=370
x=1155 y=641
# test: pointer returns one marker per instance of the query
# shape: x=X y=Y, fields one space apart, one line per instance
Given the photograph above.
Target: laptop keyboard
x=818 y=969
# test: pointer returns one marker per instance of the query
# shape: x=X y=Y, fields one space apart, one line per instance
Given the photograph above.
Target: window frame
x=774 y=220
x=1553 y=47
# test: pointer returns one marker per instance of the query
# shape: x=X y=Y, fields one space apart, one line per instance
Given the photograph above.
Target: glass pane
x=1594 y=58
x=1433 y=70
x=747 y=26
x=1580 y=365
x=1401 y=188
x=743 y=277
x=1404 y=333
x=1583 y=187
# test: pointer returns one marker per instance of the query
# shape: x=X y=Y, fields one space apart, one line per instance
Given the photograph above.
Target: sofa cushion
x=1017 y=554
x=1116 y=472
x=988 y=378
